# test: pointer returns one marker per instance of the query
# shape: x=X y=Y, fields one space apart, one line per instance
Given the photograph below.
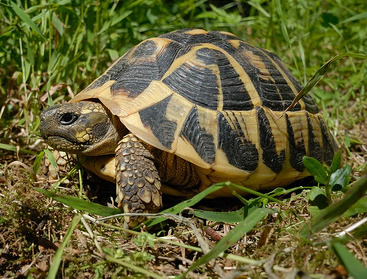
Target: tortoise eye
x=68 y=118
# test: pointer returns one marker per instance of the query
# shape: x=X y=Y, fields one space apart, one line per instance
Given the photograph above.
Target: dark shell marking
x=201 y=139
x=161 y=127
x=297 y=149
x=241 y=152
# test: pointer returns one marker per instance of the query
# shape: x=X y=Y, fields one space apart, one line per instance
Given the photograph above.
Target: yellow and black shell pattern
x=216 y=101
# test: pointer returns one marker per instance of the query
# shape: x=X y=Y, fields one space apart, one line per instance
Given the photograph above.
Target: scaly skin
x=138 y=185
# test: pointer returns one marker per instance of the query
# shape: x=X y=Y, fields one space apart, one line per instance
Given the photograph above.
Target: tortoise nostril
x=68 y=118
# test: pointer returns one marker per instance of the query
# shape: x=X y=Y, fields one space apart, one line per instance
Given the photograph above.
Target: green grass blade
x=233 y=236
x=320 y=73
x=354 y=267
x=74 y=202
x=334 y=211
x=51 y=157
x=58 y=255
x=360 y=16
x=258 y=7
x=57 y=24
x=198 y=197
x=226 y=217
x=253 y=192
x=27 y=20
x=187 y=203
x=38 y=161
x=283 y=26
x=357 y=208
x=135 y=268
x=13 y=148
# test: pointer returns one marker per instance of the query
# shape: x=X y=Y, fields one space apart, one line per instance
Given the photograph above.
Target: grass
x=50 y=50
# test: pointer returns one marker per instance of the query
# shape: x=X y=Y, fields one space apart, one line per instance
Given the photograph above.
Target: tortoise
x=188 y=109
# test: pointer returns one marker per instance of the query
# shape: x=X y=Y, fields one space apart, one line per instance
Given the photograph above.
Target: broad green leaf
x=314 y=193
x=317 y=197
x=27 y=20
x=334 y=211
x=74 y=202
x=355 y=268
x=336 y=162
x=114 y=55
x=316 y=169
x=341 y=176
x=232 y=237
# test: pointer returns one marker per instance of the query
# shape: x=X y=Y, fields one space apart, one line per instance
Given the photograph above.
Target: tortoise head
x=85 y=128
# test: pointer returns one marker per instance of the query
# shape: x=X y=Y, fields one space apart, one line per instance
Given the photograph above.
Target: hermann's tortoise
x=186 y=110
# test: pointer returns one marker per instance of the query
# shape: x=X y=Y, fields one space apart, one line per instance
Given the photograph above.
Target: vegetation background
x=50 y=50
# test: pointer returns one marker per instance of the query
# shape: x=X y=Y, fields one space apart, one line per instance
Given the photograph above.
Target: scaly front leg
x=138 y=185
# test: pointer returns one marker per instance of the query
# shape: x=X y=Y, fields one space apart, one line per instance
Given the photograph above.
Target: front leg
x=138 y=185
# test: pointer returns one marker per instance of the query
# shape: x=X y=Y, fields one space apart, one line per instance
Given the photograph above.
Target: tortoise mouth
x=64 y=144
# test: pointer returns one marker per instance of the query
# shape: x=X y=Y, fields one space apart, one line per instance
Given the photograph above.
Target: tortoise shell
x=216 y=101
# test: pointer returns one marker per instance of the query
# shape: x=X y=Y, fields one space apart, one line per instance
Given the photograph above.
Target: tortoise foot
x=138 y=185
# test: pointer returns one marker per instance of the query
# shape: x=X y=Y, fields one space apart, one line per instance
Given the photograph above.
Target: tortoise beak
x=47 y=118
